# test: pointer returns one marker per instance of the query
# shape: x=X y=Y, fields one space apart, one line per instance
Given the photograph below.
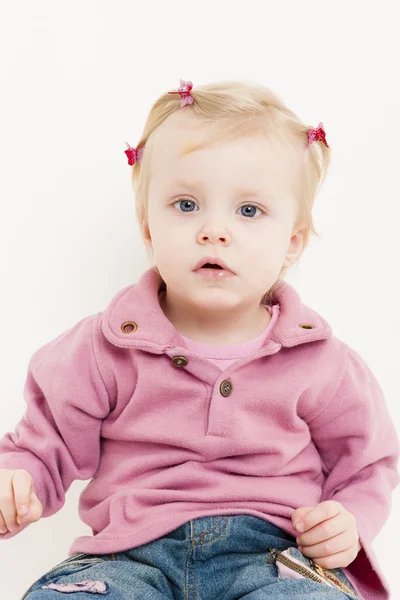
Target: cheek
x=266 y=251
x=170 y=245
x=265 y=241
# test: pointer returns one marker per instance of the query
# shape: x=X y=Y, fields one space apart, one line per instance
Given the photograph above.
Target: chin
x=214 y=297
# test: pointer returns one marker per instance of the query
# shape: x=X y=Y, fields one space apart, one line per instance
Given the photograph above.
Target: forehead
x=257 y=157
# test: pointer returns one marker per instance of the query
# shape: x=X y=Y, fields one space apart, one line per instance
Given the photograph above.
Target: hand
x=330 y=535
x=17 y=490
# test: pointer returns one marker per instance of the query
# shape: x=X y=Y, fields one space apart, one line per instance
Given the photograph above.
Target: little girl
x=236 y=448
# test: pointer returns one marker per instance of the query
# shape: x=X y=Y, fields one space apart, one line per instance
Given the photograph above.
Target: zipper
x=320 y=573
x=277 y=555
x=75 y=558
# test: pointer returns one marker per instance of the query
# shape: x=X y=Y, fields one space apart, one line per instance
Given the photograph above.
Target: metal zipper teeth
x=68 y=561
x=340 y=584
x=286 y=561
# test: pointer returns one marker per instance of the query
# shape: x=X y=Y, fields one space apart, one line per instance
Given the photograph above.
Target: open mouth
x=213 y=271
x=211 y=266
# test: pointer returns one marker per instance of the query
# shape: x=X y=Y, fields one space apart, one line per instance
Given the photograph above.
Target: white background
x=77 y=80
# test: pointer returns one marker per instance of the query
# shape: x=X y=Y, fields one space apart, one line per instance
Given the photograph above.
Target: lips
x=215 y=274
x=212 y=263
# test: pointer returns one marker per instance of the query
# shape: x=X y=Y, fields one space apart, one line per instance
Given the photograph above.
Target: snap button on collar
x=306 y=326
x=128 y=327
x=180 y=361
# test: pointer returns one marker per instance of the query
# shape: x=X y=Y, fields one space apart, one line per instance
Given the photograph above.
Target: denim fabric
x=208 y=558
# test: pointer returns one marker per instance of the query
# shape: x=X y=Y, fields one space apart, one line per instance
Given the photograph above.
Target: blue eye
x=184 y=204
x=252 y=208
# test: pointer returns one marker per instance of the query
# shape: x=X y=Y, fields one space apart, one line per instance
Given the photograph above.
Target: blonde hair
x=235 y=109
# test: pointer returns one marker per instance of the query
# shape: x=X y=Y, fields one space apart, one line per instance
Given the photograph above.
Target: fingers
x=22 y=486
x=328 y=530
x=334 y=561
x=7 y=503
x=3 y=526
x=334 y=545
x=35 y=511
x=16 y=491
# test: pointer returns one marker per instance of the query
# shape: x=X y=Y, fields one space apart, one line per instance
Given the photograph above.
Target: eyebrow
x=241 y=191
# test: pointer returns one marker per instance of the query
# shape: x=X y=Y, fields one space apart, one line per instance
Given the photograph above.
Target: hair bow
x=184 y=91
x=316 y=134
x=134 y=154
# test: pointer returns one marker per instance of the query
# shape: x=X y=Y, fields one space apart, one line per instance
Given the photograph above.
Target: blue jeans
x=208 y=558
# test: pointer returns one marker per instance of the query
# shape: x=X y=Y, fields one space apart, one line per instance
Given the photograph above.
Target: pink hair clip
x=184 y=91
x=316 y=134
x=134 y=154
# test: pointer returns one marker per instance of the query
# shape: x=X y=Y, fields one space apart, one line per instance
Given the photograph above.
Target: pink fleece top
x=167 y=434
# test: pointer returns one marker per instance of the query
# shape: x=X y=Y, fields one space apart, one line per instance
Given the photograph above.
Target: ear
x=147 y=236
x=295 y=248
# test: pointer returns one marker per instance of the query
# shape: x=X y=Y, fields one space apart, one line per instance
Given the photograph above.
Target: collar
x=134 y=318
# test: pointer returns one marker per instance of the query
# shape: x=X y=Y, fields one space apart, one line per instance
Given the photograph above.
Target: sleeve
x=359 y=447
x=58 y=438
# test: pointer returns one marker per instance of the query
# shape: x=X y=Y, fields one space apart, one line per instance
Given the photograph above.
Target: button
x=180 y=361
x=128 y=327
x=306 y=326
x=226 y=388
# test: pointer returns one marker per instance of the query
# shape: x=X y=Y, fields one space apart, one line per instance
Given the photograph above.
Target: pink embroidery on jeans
x=94 y=587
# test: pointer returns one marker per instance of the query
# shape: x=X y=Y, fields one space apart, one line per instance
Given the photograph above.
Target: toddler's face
x=205 y=203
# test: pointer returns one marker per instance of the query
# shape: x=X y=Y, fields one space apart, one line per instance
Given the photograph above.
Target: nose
x=213 y=234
